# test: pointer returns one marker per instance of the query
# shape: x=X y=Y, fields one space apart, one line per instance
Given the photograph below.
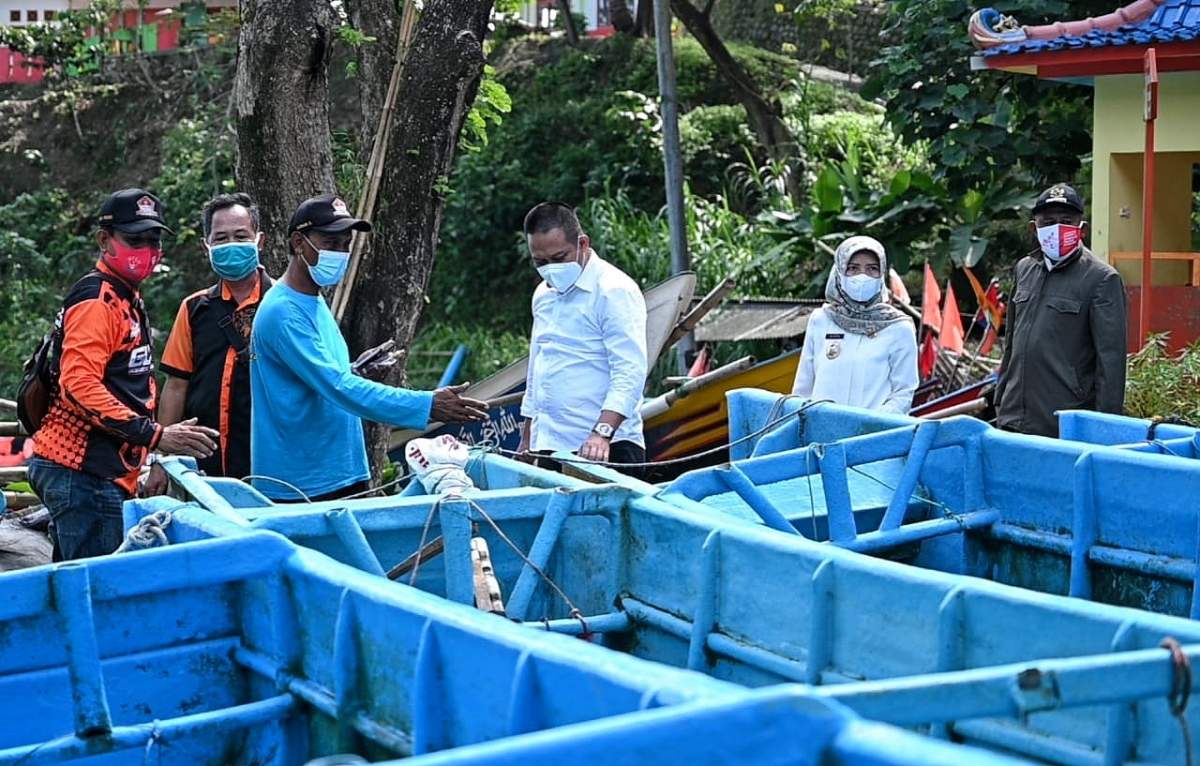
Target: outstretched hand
x=187 y=438
x=449 y=406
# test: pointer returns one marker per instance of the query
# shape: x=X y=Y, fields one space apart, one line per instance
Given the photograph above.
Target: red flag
x=702 y=364
x=951 y=335
x=930 y=300
x=989 y=340
x=994 y=307
x=927 y=357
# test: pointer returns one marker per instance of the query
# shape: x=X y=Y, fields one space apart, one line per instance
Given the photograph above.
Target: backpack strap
x=225 y=318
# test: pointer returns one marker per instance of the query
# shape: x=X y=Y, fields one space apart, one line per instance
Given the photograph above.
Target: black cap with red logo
x=132 y=211
x=326 y=213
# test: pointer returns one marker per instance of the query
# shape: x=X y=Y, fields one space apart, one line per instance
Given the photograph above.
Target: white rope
x=147 y=533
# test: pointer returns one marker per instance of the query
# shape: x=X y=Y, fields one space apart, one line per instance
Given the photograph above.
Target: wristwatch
x=604 y=429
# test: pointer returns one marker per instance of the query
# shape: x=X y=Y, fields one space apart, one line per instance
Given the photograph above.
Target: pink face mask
x=1059 y=240
x=132 y=263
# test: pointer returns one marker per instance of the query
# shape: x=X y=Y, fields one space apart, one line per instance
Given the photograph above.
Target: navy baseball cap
x=132 y=211
x=325 y=213
x=1059 y=194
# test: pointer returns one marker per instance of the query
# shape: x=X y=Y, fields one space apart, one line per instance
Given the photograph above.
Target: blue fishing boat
x=938 y=652
x=1162 y=437
x=1114 y=525
x=248 y=650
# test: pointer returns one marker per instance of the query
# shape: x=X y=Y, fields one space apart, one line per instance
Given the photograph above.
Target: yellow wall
x=1118 y=140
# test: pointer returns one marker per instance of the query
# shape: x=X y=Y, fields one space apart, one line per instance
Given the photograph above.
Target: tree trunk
x=282 y=102
x=441 y=77
x=622 y=18
x=645 y=19
x=564 y=7
x=766 y=118
x=378 y=19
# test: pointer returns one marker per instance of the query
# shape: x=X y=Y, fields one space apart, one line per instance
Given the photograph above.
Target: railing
x=1194 y=258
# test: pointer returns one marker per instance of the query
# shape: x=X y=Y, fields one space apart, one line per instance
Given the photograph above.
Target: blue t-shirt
x=307 y=406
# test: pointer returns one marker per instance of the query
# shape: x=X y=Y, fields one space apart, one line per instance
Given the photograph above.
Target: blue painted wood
x=768 y=727
x=351 y=536
x=777 y=615
x=249 y=650
x=1083 y=528
x=1138 y=540
x=706 y=602
x=913 y=463
x=548 y=533
x=73 y=602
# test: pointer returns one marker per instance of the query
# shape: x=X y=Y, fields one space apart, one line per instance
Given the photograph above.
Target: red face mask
x=132 y=263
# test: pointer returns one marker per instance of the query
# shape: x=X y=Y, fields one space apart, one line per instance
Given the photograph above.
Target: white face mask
x=1058 y=240
x=562 y=276
x=862 y=287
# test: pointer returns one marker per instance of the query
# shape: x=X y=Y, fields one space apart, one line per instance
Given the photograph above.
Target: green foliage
x=1159 y=384
x=44 y=247
x=490 y=351
x=349 y=172
x=491 y=104
x=74 y=44
x=569 y=137
x=46 y=239
x=980 y=127
x=721 y=242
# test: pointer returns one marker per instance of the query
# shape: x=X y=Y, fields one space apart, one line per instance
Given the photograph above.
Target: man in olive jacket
x=1065 y=344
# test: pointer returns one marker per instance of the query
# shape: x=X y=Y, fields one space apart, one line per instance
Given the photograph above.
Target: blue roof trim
x=1176 y=21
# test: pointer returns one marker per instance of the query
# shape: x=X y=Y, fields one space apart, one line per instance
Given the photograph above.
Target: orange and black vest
x=202 y=351
x=101 y=418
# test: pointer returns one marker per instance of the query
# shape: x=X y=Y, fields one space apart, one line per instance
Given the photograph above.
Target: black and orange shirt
x=200 y=351
x=101 y=419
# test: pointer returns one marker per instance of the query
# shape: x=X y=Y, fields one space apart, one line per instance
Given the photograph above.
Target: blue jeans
x=86 y=510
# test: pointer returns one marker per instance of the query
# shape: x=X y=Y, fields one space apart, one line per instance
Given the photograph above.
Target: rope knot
x=147 y=533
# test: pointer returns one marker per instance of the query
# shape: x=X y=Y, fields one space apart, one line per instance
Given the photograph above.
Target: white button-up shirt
x=587 y=354
x=876 y=372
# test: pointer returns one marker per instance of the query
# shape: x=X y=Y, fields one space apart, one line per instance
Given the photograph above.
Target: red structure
x=150 y=30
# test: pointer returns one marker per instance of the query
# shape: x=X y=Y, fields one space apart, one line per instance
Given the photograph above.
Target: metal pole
x=1151 y=114
x=672 y=156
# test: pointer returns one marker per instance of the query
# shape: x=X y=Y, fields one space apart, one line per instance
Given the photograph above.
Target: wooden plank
x=487 y=587
x=688 y=321
x=430 y=550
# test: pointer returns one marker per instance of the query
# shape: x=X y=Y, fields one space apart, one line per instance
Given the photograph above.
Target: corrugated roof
x=759 y=319
x=1173 y=21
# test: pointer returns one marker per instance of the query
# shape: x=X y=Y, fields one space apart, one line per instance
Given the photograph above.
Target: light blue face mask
x=330 y=267
x=234 y=260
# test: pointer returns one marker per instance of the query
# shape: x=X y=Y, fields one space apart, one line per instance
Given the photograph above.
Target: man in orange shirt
x=207 y=356
x=100 y=425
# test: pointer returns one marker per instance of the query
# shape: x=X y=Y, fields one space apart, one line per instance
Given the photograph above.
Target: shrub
x=1159 y=384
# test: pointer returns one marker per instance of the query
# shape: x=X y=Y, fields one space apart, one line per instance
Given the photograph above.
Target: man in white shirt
x=587 y=353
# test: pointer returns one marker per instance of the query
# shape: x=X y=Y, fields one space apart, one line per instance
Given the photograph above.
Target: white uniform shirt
x=587 y=353
x=875 y=373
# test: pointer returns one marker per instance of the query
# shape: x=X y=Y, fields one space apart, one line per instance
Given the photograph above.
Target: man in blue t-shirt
x=306 y=431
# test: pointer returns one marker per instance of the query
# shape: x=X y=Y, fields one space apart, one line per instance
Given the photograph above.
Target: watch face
x=604 y=429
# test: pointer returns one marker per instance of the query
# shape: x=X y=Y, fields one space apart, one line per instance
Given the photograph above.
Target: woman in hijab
x=859 y=350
